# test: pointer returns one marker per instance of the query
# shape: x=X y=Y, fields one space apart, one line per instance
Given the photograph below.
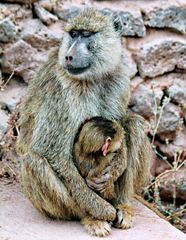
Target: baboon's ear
x=117 y=22
x=115 y=18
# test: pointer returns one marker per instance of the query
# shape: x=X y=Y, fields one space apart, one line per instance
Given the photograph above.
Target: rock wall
x=154 y=46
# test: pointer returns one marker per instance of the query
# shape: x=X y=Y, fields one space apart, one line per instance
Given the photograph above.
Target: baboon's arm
x=47 y=134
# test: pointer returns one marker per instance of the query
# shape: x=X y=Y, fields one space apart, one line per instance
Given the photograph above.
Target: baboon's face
x=78 y=57
x=91 y=47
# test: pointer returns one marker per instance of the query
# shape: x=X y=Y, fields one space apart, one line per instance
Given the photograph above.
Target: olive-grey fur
x=54 y=107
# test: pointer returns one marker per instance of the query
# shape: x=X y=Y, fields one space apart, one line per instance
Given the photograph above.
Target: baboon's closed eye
x=81 y=33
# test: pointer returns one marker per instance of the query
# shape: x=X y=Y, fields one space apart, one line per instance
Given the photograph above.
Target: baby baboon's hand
x=108 y=193
x=98 y=183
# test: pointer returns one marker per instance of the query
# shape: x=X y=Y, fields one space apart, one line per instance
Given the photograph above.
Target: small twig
x=4 y=85
x=10 y=169
x=181 y=164
x=174 y=189
x=17 y=129
x=162 y=175
x=177 y=214
x=164 y=158
x=166 y=101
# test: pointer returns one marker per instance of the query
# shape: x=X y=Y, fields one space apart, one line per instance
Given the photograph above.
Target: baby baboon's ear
x=118 y=25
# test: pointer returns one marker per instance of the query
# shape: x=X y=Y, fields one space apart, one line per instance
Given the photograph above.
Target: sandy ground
x=20 y=221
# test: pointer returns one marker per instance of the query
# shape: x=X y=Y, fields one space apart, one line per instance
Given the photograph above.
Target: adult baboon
x=83 y=78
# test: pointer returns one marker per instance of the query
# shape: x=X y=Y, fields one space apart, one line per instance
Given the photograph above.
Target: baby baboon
x=85 y=77
x=99 y=144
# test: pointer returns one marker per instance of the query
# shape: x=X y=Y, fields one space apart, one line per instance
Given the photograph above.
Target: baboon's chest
x=96 y=102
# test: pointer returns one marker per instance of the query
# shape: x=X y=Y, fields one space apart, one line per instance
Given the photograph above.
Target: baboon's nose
x=68 y=59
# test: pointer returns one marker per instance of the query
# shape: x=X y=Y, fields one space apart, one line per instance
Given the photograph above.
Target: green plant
x=172 y=212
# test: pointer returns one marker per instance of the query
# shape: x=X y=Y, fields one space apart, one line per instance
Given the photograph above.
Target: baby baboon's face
x=91 y=46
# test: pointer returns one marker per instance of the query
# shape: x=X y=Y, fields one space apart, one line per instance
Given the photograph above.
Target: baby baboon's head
x=91 y=46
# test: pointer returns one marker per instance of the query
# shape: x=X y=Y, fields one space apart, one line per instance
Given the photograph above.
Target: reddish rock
x=48 y=4
x=22 y=59
x=45 y=16
x=178 y=94
x=135 y=82
x=143 y=100
x=178 y=145
x=165 y=81
x=171 y=17
x=39 y=36
x=12 y=94
x=169 y=181
x=15 y=12
x=161 y=166
x=169 y=122
x=155 y=59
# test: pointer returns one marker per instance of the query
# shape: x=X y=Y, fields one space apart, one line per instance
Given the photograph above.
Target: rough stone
x=39 y=36
x=49 y=5
x=167 y=186
x=15 y=12
x=178 y=145
x=45 y=16
x=14 y=206
x=172 y=17
x=3 y=122
x=66 y=12
x=12 y=94
x=165 y=81
x=135 y=82
x=169 y=122
x=132 y=23
x=161 y=166
x=22 y=59
x=7 y=30
x=155 y=59
x=143 y=100
x=178 y=94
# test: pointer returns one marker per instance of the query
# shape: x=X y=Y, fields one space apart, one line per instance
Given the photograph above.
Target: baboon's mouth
x=77 y=71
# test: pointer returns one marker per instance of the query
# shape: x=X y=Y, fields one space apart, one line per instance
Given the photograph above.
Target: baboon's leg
x=49 y=195
x=46 y=192
x=123 y=203
x=96 y=227
x=134 y=177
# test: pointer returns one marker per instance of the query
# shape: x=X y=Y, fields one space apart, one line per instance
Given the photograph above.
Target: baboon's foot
x=96 y=227
x=124 y=218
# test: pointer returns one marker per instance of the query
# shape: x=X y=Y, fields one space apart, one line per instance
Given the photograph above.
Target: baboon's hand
x=108 y=193
x=124 y=217
x=100 y=182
